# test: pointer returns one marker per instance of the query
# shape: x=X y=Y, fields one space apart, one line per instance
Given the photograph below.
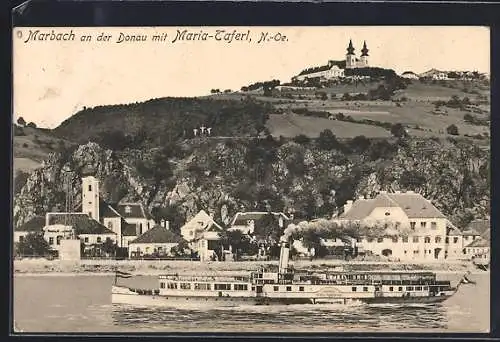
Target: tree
x=360 y=143
x=398 y=130
x=31 y=124
x=21 y=121
x=108 y=247
x=452 y=129
x=33 y=244
x=327 y=140
x=239 y=242
x=302 y=139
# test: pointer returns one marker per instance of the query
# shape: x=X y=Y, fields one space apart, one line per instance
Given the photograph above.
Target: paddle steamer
x=289 y=287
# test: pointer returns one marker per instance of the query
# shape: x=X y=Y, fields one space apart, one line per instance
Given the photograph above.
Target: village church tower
x=90 y=196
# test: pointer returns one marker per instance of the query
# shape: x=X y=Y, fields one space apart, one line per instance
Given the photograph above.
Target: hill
x=312 y=177
x=160 y=121
x=31 y=146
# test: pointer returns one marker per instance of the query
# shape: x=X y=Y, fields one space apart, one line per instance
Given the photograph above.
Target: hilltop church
x=336 y=69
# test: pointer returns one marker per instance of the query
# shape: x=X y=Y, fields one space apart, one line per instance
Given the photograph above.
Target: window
x=426 y=288
x=412 y=225
x=90 y=187
x=90 y=214
x=128 y=210
x=201 y=286
x=400 y=288
x=365 y=288
x=418 y=288
x=110 y=225
x=415 y=239
x=162 y=285
x=185 y=286
x=409 y=288
x=380 y=240
x=191 y=233
x=395 y=239
x=172 y=286
x=423 y=224
x=86 y=239
x=140 y=228
x=359 y=240
x=466 y=238
x=391 y=288
x=433 y=225
x=276 y=288
x=455 y=239
x=369 y=240
x=301 y=288
x=416 y=251
x=226 y=287
x=99 y=240
x=21 y=238
x=241 y=287
x=58 y=239
x=427 y=239
x=51 y=240
x=387 y=213
x=405 y=239
x=438 y=239
x=447 y=240
x=289 y=288
x=354 y=289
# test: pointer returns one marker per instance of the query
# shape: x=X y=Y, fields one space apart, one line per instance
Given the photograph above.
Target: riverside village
x=388 y=225
x=347 y=185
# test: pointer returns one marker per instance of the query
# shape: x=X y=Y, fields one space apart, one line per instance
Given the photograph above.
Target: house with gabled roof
x=202 y=234
x=158 y=240
x=64 y=226
x=412 y=227
x=246 y=222
x=34 y=225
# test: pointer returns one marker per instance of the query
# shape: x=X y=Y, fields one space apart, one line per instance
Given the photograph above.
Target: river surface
x=82 y=303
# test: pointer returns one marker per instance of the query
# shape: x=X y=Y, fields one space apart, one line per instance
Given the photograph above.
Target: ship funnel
x=284 y=256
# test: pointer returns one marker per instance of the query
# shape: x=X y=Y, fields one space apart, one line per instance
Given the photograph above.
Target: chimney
x=284 y=255
x=347 y=206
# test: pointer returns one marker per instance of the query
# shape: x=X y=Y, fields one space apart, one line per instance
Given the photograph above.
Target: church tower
x=350 y=58
x=90 y=196
x=364 y=55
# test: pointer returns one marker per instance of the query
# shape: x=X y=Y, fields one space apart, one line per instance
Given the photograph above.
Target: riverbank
x=151 y=267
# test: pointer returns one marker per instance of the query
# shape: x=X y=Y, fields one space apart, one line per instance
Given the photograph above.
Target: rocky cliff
x=226 y=175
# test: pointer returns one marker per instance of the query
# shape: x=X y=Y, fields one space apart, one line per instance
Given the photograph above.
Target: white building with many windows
x=414 y=228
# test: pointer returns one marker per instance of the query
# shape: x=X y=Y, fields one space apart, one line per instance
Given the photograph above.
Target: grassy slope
x=416 y=111
x=33 y=147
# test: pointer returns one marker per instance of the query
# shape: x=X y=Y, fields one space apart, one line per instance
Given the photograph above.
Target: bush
x=398 y=130
x=302 y=139
x=327 y=140
x=452 y=129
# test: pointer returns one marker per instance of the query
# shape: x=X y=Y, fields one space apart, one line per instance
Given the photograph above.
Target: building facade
x=412 y=227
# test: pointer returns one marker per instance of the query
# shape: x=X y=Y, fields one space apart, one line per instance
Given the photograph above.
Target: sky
x=55 y=79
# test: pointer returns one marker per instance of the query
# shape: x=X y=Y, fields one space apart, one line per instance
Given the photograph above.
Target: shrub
x=452 y=129
x=302 y=139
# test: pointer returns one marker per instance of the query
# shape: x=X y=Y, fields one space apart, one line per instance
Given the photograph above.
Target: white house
x=414 y=228
x=435 y=74
x=157 y=240
x=247 y=221
x=202 y=234
x=80 y=226
x=33 y=226
x=410 y=75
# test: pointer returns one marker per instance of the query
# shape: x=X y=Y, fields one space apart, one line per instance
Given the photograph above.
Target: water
x=83 y=304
